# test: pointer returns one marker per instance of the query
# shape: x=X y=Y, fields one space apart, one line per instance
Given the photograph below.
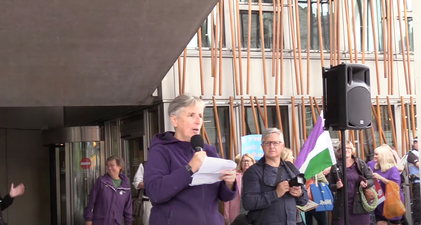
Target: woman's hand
x=339 y=184
x=16 y=191
x=229 y=177
x=379 y=177
x=197 y=160
x=88 y=223
x=363 y=184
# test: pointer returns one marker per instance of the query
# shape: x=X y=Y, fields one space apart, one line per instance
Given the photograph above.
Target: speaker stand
x=344 y=180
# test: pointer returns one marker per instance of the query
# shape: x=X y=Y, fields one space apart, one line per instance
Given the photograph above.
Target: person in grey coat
x=260 y=190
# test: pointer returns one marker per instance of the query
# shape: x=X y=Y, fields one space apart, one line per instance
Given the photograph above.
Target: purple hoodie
x=167 y=184
x=107 y=204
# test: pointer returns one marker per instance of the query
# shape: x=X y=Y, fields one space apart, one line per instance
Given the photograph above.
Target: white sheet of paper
x=209 y=172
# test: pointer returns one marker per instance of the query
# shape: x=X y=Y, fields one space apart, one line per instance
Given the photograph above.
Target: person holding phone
x=358 y=174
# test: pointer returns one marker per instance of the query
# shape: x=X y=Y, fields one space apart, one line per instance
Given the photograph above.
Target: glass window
x=207 y=33
x=256 y=40
x=314 y=23
x=272 y=121
x=369 y=26
x=310 y=124
x=224 y=125
x=263 y=1
x=385 y=118
x=409 y=120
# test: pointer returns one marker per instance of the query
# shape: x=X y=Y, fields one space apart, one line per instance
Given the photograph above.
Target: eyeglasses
x=246 y=162
x=274 y=143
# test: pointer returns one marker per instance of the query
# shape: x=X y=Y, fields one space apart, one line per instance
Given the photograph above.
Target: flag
x=317 y=153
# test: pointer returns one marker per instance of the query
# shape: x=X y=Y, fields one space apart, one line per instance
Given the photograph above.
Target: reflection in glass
x=387 y=130
x=314 y=29
x=224 y=125
x=256 y=41
x=83 y=179
x=272 y=121
x=206 y=34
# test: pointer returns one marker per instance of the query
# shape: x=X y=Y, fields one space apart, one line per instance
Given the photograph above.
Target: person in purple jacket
x=172 y=162
x=385 y=171
x=110 y=198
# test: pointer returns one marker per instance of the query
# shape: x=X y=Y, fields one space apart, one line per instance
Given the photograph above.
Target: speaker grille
x=359 y=107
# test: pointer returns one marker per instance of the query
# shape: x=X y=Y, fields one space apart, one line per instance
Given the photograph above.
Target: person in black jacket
x=261 y=191
x=358 y=174
x=7 y=200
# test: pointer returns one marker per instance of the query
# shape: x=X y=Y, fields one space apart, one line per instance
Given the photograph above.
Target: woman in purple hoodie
x=172 y=162
x=110 y=198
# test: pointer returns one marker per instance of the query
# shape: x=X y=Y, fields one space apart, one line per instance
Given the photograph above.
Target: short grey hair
x=183 y=101
x=270 y=131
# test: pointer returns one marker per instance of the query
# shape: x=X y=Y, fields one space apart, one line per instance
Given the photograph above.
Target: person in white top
x=138 y=184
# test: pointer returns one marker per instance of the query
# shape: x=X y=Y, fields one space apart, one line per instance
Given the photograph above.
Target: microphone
x=197 y=143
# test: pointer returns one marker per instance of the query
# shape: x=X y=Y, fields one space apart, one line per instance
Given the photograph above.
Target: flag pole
x=344 y=180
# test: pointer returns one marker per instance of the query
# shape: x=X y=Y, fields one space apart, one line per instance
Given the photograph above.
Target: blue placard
x=252 y=144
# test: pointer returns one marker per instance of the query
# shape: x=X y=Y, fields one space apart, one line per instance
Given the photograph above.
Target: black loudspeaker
x=347 y=97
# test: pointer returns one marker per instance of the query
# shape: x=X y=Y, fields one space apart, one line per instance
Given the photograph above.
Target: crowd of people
x=257 y=192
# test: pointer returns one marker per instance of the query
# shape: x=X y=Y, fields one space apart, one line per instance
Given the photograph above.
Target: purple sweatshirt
x=107 y=204
x=167 y=184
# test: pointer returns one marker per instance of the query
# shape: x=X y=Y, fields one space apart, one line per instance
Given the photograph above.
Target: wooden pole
x=278 y=33
x=355 y=32
x=414 y=133
x=254 y=116
x=248 y=49
x=348 y=28
x=319 y=20
x=180 y=78
x=199 y=35
x=331 y=32
x=218 y=129
x=312 y=111
x=221 y=40
x=234 y=139
x=294 y=126
x=240 y=61
x=385 y=43
x=392 y=122
x=309 y=43
x=212 y=44
x=297 y=79
x=375 y=46
x=338 y=30
x=297 y=28
x=262 y=115
x=237 y=89
x=405 y=127
x=243 y=117
x=282 y=48
x=278 y=111
x=266 y=111
x=391 y=33
x=407 y=46
x=303 y=112
x=262 y=38
x=184 y=69
x=403 y=47
x=317 y=105
x=274 y=33
x=216 y=51
x=364 y=31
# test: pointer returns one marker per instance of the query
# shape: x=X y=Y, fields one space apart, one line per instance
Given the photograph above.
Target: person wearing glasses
x=233 y=208
x=264 y=193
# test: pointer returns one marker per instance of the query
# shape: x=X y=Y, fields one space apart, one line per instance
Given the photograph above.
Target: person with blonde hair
x=287 y=155
x=385 y=171
x=234 y=207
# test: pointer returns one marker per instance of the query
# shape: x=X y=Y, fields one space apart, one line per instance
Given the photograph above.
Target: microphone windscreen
x=197 y=141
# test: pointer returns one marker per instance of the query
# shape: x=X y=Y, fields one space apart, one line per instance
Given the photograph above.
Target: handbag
x=393 y=206
x=322 y=196
x=138 y=204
